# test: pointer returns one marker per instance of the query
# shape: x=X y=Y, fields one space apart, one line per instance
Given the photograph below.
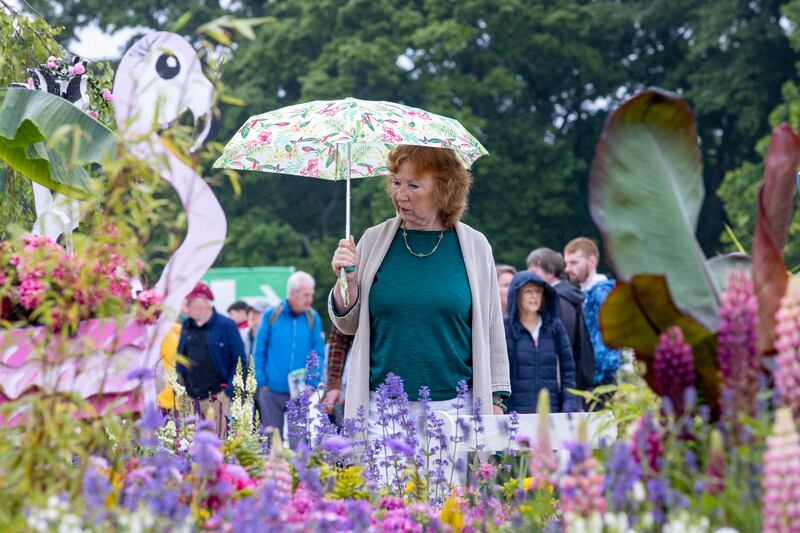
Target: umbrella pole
x=342 y=273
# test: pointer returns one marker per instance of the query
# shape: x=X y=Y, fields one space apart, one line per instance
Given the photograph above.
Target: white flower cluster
x=54 y=518
x=242 y=422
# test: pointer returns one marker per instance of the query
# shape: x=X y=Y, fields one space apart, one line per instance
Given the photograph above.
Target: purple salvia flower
x=141 y=374
x=312 y=366
x=787 y=342
x=477 y=422
x=737 y=356
x=673 y=364
x=782 y=476
x=337 y=445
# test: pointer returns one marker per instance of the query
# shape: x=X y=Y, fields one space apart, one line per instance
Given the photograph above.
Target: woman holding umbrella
x=424 y=302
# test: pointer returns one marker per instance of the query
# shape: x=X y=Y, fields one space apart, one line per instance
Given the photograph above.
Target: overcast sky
x=93 y=43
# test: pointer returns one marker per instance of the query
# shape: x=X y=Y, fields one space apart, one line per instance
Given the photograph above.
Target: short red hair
x=451 y=180
x=584 y=245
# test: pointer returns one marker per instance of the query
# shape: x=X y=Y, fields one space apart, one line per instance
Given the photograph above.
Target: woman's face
x=529 y=298
x=412 y=196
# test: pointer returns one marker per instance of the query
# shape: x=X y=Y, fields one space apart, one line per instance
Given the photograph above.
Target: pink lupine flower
x=787 y=342
x=106 y=94
x=582 y=486
x=737 y=356
x=543 y=461
x=93 y=113
x=30 y=83
x=52 y=63
x=674 y=367
x=781 y=481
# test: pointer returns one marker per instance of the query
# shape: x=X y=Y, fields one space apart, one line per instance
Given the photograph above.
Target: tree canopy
x=534 y=80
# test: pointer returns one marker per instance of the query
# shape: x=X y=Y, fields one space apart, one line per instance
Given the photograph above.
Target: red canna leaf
x=775 y=204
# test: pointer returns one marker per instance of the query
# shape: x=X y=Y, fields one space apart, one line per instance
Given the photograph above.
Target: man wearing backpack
x=549 y=265
x=288 y=332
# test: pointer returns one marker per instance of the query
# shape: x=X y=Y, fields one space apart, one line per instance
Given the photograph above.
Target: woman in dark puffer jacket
x=539 y=353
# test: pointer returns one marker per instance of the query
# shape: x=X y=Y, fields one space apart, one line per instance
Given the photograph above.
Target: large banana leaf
x=775 y=203
x=645 y=193
x=49 y=140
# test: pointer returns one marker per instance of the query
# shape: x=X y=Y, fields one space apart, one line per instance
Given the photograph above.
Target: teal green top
x=421 y=316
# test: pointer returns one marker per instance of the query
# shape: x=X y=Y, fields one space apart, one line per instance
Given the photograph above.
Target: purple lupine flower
x=648 y=445
x=205 y=452
x=787 y=342
x=657 y=495
x=307 y=476
x=622 y=473
x=673 y=364
x=737 y=355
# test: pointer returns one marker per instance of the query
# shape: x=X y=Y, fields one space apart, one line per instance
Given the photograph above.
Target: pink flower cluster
x=782 y=476
x=35 y=271
x=148 y=307
x=787 y=342
x=673 y=364
x=648 y=444
x=582 y=488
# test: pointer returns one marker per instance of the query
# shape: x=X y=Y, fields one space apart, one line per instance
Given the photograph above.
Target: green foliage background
x=533 y=79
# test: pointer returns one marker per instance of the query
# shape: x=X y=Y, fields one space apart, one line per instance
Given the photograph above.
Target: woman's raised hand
x=346 y=256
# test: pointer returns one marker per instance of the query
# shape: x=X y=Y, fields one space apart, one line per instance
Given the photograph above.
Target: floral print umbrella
x=311 y=139
x=339 y=140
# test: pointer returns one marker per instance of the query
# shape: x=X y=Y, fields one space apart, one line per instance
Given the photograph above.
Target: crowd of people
x=425 y=302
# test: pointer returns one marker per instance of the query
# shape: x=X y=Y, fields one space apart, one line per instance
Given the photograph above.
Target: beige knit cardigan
x=489 y=355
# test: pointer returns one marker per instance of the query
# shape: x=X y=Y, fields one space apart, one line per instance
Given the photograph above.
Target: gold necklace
x=412 y=252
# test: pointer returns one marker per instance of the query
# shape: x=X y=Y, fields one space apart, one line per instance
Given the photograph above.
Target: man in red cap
x=212 y=344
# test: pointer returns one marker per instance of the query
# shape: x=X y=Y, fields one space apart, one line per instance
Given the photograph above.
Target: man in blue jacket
x=212 y=344
x=287 y=334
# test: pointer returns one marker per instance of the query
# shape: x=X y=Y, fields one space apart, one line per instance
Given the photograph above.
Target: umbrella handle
x=343 y=288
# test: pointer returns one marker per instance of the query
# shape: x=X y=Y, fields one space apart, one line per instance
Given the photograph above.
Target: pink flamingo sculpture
x=158 y=78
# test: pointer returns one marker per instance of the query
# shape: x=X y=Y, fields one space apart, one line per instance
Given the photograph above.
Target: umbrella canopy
x=340 y=140
x=313 y=139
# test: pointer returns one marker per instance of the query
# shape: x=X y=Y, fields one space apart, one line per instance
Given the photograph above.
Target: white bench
x=563 y=427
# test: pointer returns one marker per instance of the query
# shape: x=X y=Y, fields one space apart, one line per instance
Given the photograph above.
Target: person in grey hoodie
x=539 y=352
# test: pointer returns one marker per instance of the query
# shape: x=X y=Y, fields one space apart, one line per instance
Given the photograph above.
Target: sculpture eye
x=168 y=66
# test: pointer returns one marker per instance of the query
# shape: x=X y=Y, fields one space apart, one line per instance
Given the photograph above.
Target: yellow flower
x=524 y=508
x=527 y=483
x=410 y=487
x=451 y=514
